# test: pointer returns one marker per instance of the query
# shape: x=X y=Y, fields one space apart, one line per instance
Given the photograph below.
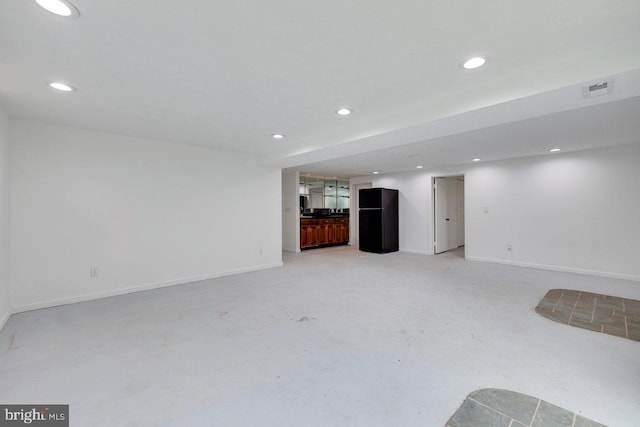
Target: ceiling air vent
x=597 y=89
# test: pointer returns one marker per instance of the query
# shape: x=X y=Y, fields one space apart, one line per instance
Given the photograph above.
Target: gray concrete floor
x=336 y=337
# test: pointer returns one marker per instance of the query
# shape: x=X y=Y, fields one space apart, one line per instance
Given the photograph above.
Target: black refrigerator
x=378 y=220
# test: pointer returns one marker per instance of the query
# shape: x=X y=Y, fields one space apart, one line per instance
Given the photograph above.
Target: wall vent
x=597 y=89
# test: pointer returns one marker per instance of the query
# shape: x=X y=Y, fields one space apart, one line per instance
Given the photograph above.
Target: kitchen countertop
x=328 y=216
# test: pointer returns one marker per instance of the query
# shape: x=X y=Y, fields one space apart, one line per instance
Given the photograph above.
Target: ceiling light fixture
x=475 y=160
x=277 y=136
x=554 y=150
x=59 y=7
x=418 y=167
x=344 y=111
x=62 y=86
x=376 y=173
x=475 y=62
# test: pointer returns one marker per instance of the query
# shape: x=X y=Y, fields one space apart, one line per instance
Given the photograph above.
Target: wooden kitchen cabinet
x=325 y=232
x=308 y=233
x=319 y=232
x=342 y=229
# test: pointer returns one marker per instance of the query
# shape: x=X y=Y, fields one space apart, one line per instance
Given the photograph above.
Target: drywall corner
x=5 y=307
x=290 y=212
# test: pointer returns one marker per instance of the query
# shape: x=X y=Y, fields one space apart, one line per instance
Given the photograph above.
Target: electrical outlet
x=93 y=272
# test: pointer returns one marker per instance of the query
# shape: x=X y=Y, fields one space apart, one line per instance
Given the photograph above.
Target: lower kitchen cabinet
x=317 y=232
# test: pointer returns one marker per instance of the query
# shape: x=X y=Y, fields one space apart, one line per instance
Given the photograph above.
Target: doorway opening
x=448 y=214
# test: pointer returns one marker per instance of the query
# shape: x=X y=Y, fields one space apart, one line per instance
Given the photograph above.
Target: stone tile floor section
x=596 y=312
x=502 y=408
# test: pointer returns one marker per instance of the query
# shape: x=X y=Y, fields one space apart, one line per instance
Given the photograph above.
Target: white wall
x=415 y=206
x=571 y=212
x=576 y=211
x=145 y=213
x=4 y=219
x=291 y=211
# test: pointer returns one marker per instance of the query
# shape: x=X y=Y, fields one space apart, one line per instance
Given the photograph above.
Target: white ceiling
x=494 y=133
x=227 y=75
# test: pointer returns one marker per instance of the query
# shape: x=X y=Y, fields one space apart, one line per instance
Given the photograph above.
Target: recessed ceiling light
x=277 y=136
x=59 y=7
x=475 y=160
x=553 y=150
x=475 y=62
x=418 y=167
x=62 y=86
x=344 y=111
x=376 y=173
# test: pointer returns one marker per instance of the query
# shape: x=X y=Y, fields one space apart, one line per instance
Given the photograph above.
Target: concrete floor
x=337 y=337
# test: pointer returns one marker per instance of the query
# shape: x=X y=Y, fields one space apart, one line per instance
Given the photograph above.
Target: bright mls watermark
x=34 y=415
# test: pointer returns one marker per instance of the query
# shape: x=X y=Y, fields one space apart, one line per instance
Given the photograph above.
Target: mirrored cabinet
x=317 y=193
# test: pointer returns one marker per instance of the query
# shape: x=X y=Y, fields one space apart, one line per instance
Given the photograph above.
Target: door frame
x=432 y=213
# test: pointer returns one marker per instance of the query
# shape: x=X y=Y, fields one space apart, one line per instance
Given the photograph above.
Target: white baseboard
x=138 y=288
x=413 y=251
x=558 y=268
x=4 y=318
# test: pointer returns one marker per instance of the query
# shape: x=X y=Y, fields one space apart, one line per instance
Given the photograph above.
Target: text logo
x=34 y=415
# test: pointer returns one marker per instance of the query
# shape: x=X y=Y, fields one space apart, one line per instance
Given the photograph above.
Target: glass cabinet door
x=316 y=189
x=343 y=195
x=330 y=192
x=304 y=191
x=343 y=188
x=323 y=193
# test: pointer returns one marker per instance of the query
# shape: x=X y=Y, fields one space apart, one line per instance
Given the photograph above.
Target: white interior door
x=455 y=211
x=441 y=215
